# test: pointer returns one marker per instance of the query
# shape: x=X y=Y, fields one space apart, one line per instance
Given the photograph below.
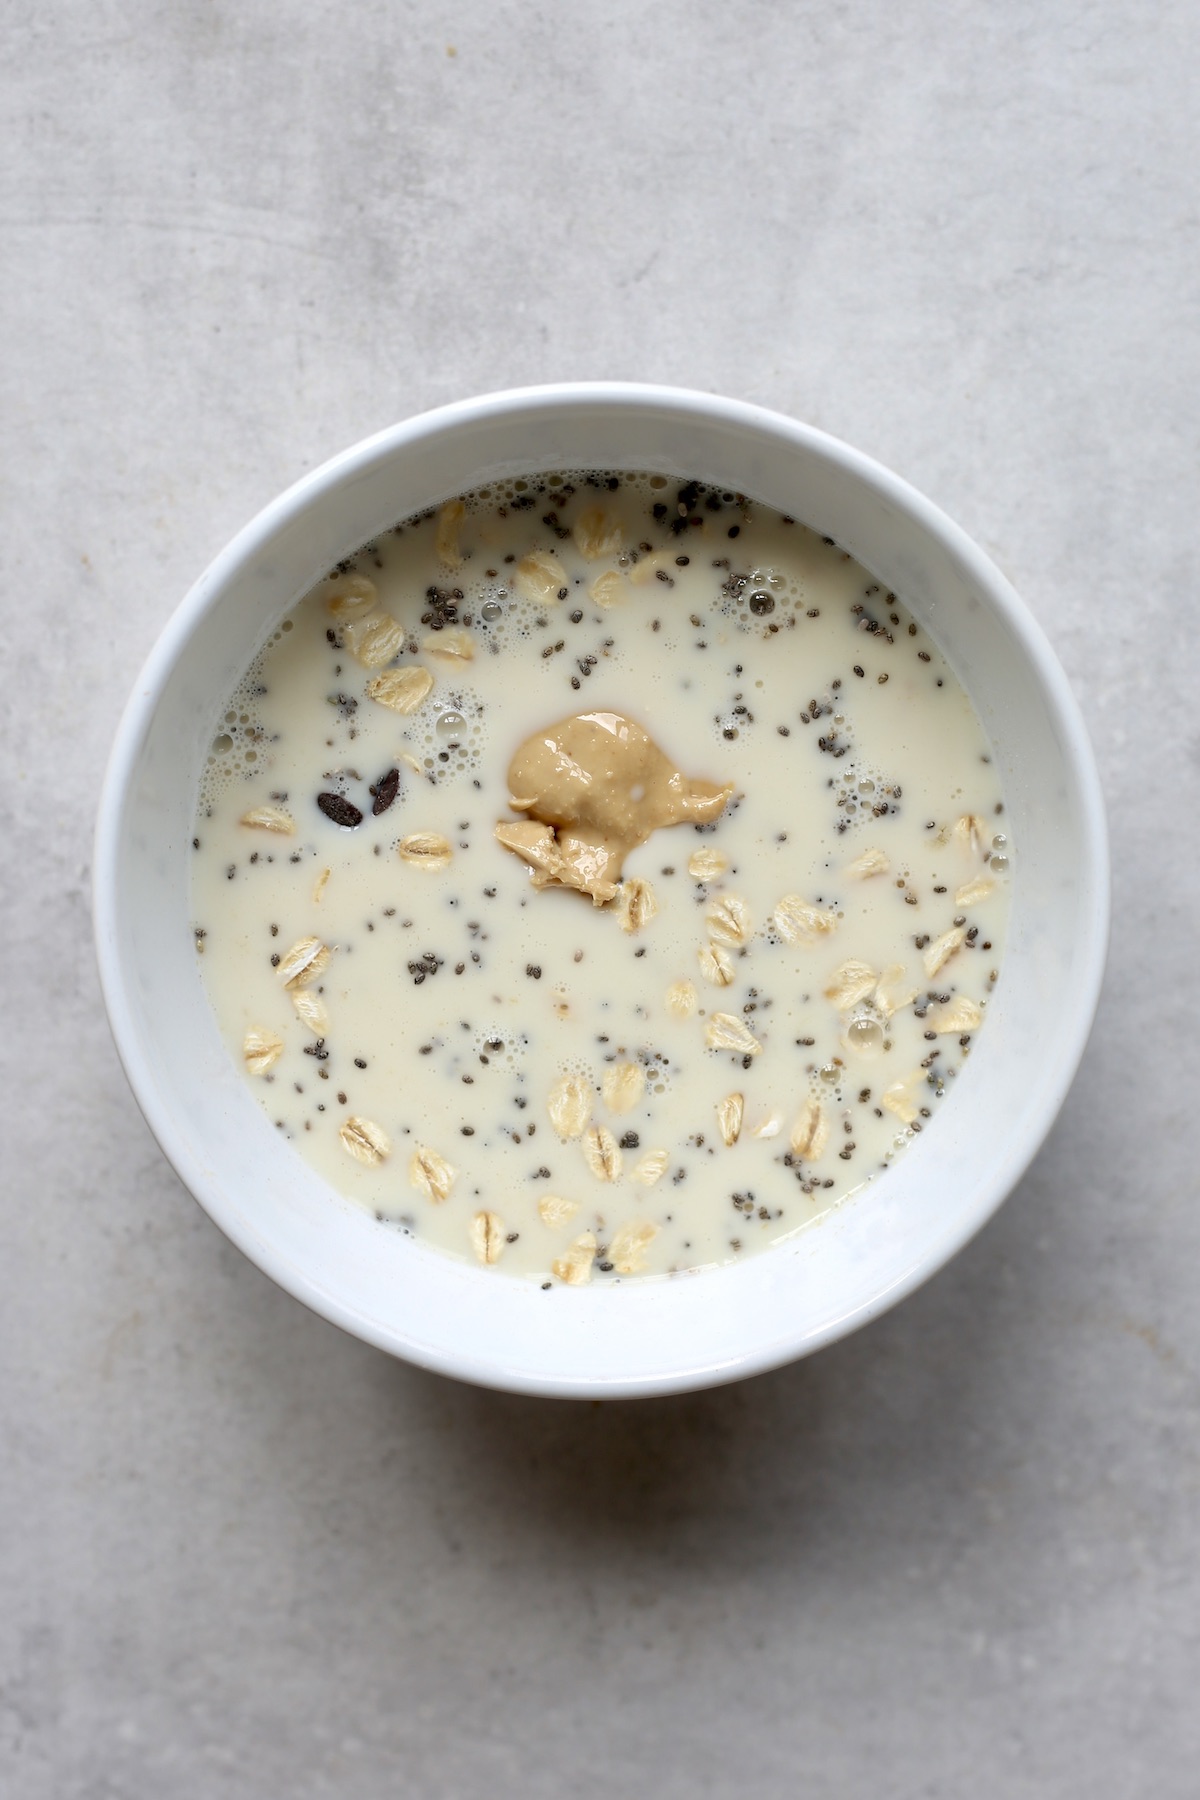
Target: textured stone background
x=242 y=1555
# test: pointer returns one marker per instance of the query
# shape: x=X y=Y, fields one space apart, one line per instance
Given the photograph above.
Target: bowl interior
x=655 y=1335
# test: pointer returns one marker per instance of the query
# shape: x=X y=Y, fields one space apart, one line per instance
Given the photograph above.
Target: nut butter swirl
x=591 y=789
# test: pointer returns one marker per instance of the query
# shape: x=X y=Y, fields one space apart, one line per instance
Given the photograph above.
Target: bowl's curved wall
x=652 y=1336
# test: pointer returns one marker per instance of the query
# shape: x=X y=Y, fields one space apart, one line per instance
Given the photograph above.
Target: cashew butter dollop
x=592 y=788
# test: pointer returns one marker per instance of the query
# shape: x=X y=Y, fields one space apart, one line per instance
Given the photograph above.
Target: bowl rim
x=172 y=641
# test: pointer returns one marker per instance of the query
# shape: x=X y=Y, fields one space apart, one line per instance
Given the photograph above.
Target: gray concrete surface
x=242 y=1555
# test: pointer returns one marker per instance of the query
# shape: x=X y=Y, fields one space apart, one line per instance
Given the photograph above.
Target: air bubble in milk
x=825 y=1081
x=860 y=788
x=233 y=753
x=576 y=1065
x=657 y=1069
x=504 y=1050
x=450 y=741
x=865 y=1035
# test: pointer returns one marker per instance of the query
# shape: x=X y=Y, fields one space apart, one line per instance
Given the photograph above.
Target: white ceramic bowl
x=659 y=1335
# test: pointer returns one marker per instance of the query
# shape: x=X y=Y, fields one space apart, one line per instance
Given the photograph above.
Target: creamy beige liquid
x=761 y=1011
